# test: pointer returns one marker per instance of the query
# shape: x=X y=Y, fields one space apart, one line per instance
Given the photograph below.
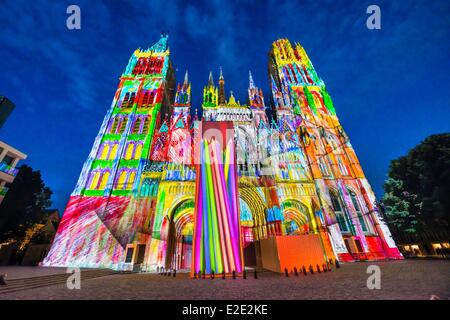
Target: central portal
x=179 y=240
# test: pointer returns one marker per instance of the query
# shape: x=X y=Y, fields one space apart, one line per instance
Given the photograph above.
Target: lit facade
x=159 y=190
x=9 y=158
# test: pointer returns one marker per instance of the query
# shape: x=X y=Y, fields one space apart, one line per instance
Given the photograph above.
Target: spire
x=210 y=80
x=210 y=93
x=252 y=84
x=255 y=95
x=222 y=98
x=183 y=94
x=186 y=77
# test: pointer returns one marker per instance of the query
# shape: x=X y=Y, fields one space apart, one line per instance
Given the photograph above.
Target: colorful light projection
x=296 y=175
x=217 y=238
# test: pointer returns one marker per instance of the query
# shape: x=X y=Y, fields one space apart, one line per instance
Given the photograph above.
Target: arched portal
x=253 y=223
x=179 y=240
x=296 y=219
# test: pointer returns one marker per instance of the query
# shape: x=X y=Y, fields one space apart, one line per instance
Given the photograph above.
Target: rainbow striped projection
x=217 y=241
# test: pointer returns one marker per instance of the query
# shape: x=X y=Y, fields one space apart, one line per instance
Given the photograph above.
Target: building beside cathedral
x=162 y=188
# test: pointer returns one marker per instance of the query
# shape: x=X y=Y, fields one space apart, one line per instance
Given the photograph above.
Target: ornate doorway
x=179 y=240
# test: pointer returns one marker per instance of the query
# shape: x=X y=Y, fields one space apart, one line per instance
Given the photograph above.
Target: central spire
x=210 y=80
x=222 y=98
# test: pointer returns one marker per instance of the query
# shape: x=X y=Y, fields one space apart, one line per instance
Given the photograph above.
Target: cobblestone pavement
x=19 y=272
x=411 y=279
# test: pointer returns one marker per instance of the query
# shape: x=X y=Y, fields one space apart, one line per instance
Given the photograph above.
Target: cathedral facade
x=163 y=188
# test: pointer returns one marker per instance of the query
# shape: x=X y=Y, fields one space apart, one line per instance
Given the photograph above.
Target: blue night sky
x=390 y=86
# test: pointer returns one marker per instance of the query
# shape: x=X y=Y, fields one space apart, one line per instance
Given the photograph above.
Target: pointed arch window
x=342 y=166
x=146 y=125
x=131 y=178
x=137 y=126
x=113 y=153
x=132 y=98
x=138 y=151
x=152 y=97
x=146 y=100
x=355 y=202
x=114 y=125
x=121 y=181
x=126 y=99
x=123 y=125
x=129 y=151
x=94 y=181
x=104 y=180
x=340 y=214
x=104 y=151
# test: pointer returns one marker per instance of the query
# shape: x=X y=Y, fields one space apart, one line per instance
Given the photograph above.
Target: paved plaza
x=410 y=279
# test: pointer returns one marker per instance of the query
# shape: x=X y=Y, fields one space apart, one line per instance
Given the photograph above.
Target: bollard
x=3 y=279
x=318 y=268
x=212 y=274
x=286 y=273
x=304 y=271
x=311 y=270
x=223 y=275
x=338 y=265
x=174 y=273
x=324 y=267
x=255 y=274
x=296 y=271
x=244 y=275
x=195 y=275
x=234 y=274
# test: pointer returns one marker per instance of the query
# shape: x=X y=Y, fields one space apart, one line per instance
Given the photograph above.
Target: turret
x=210 y=93
x=183 y=95
x=255 y=95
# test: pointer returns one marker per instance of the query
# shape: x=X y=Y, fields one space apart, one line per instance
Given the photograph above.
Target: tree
x=24 y=204
x=418 y=188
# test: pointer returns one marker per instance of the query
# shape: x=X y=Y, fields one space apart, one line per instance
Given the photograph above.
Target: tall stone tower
x=346 y=208
x=100 y=219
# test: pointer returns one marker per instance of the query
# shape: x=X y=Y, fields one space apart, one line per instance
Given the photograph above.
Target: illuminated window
x=123 y=125
x=105 y=151
x=104 y=180
x=153 y=97
x=342 y=167
x=129 y=151
x=114 y=125
x=323 y=168
x=340 y=214
x=121 y=181
x=94 y=181
x=146 y=125
x=113 y=153
x=358 y=210
x=146 y=100
x=138 y=151
x=130 y=181
x=137 y=126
